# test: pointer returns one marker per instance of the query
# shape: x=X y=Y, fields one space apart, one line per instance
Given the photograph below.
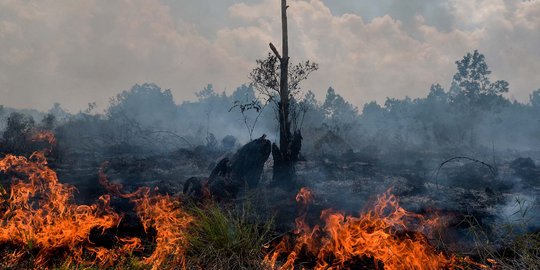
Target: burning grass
x=387 y=235
x=42 y=227
x=37 y=214
x=42 y=224
x=165 y=215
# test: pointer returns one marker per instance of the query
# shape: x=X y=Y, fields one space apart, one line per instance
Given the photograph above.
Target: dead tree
x=280 y=83
x=283 y=161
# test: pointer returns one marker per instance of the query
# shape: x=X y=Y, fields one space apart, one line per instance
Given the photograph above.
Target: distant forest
x=473 y=116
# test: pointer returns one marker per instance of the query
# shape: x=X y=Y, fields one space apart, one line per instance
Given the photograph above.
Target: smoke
x=349 y=155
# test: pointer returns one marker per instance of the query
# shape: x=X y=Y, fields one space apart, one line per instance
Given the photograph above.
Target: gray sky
x=75 y=52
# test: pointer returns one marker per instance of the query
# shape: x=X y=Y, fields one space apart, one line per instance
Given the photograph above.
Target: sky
x=76 y=52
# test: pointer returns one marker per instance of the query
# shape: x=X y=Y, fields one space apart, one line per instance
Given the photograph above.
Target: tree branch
x=273 y=48
x=435 y=174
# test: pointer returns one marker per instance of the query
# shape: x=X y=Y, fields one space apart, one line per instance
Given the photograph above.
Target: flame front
x=387 y=234
x=37 y=212
x=165 y=215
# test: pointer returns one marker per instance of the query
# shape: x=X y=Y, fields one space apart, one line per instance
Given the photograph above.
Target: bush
x=17 y=136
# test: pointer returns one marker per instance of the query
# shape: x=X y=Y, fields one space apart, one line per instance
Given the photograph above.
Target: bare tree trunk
x=284 y=122
x=283 y=157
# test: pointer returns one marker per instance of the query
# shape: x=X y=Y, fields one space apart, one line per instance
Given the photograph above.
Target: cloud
x=372 y=59
x=509 y=35
x=76 y=52
x=81 y=51
x=363 y=60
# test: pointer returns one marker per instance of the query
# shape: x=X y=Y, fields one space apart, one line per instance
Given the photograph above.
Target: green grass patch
x=227 y=238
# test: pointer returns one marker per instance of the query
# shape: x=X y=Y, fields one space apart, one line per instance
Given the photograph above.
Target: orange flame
x=163 y=213
x=37 y=212
x=305 y=196
x=46 y=136
x=385 y=234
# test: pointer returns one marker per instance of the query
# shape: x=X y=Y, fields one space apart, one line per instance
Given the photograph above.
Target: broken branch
x=273 y=48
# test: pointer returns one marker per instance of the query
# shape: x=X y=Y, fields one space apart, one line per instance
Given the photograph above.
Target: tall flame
x=37 y=212
x=384 y=234
x=164 y=214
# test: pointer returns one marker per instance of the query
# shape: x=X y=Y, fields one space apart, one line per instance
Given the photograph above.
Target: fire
x=387 y=234
x=38 y=216
x=305 y=196
x=165 y=215
x=46 y=136
x=36 y=212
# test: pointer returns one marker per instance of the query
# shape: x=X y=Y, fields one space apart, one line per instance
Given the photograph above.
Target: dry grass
x=508 y=245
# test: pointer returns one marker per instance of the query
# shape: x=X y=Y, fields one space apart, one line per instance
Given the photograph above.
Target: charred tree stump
x=243 y=170
x=284 y=171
